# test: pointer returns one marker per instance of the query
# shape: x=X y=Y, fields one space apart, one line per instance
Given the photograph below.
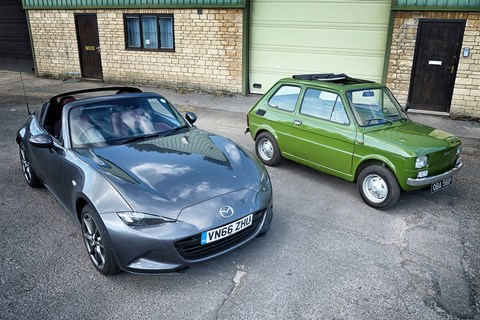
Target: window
x=149 y=32
x=324 y=105
x=285 y=98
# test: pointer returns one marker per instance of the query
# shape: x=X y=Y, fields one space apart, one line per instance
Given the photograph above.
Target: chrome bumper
x=429 y=180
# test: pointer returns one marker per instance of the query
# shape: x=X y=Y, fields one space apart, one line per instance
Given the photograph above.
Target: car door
x=49 y=163
x=322 y=134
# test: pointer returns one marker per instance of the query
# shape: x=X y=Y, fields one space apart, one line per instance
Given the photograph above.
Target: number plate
x=225 y=231
x=437 y=186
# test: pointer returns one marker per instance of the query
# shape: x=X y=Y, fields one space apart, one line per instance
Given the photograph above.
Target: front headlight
x=459 y=149
x=421 y=162
x=137 y=219
x=265 y=183
x=264 y=194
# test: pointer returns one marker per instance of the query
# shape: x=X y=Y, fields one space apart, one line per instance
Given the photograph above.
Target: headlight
x=459 y=149
x=137 y=219
x=421 y=162
x=265 y=182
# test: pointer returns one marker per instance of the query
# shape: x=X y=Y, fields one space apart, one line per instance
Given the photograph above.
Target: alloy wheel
x=93 y=241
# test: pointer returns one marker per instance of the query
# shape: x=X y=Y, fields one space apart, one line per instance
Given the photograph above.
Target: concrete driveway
x=327 y=255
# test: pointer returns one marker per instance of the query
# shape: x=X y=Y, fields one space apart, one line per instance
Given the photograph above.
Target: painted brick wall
x=208 y=49
x=466 y=95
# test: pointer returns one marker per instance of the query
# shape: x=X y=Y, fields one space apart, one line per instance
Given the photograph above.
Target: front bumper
x=429 y=180
x=159 y=249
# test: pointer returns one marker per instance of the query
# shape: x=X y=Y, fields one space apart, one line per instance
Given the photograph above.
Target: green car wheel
x=267 y=149
x=378 y=187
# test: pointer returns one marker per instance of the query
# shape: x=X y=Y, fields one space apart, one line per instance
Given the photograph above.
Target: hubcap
x=25 y=165
x=265 y=149
x=375 y=188
x=93 y=241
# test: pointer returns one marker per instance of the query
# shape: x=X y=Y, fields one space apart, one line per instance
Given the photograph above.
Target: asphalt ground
x=327 y=255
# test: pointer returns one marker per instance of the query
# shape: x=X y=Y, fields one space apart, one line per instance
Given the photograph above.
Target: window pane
x=166 y=33
x=339 y=114
x=133 y=33
x=318 y=104
x=285 y=98
x=150 y=36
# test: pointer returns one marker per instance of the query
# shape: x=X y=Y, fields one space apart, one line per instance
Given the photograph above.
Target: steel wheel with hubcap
x=97 y=244
x=27 y=170
x=378 y=187
x=267 y=149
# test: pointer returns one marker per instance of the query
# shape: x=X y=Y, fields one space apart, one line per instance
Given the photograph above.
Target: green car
x=355 y=130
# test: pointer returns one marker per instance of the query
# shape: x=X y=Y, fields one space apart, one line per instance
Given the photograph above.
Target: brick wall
x=466 y=95
x=208 y=49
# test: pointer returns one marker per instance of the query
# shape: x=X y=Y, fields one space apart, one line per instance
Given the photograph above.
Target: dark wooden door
x=89 y=46
x=435 y=64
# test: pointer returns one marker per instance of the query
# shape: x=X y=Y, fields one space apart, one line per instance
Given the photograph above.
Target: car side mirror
x=41 y=140
x=191 y=117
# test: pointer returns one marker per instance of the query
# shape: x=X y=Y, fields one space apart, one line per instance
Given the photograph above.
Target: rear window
x=285 y=98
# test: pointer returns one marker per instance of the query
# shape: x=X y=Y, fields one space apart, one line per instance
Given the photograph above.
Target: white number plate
x=225 y=231
x=437 y=186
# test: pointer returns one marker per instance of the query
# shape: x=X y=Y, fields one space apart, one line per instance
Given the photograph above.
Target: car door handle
x=297 y=122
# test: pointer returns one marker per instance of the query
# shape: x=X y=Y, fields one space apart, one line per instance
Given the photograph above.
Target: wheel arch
x=373 y=161
x=80 y=204
x=265 y=128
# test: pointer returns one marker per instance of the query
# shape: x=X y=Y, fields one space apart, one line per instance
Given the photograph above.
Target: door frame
x=77 y=31
x=418 y=40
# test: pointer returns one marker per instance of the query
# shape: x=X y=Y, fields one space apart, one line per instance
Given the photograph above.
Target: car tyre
x=378 y=187
x=28 y=173
x=97 y=242
x=267 y=149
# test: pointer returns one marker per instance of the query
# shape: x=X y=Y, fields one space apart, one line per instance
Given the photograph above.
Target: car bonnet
x=166 y=174
x=412 y=137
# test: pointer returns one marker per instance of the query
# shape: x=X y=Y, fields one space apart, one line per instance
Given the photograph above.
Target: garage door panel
x=318 y=10
x=289 y=37
x=319 y=39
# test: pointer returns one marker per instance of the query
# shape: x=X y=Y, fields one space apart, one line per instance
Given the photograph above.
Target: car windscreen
x=374 y=106
x=120 y=120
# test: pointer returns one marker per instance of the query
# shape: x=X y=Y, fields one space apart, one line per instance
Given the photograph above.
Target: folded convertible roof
x=340 y=78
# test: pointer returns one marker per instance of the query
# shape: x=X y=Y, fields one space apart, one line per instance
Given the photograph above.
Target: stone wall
x=208 y=49
x=466 y=95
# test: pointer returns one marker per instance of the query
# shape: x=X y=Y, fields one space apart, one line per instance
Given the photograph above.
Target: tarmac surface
x=327 y=256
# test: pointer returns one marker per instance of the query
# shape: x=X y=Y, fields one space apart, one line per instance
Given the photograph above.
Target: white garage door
x=316 y=36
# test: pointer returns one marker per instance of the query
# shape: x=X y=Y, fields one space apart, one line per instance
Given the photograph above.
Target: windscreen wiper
x=136 y=138
x=172 y=131
x=378 y=119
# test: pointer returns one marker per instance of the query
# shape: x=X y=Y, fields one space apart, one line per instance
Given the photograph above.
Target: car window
x=323 y=105
x=374 y=106
x=285 y=98
x=108 y=122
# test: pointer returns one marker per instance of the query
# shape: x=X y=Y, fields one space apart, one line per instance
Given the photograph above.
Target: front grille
x=442 y=161
x=191 y=249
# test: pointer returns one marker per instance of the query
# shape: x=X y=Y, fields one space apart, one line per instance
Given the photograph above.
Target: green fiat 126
x=355 y=130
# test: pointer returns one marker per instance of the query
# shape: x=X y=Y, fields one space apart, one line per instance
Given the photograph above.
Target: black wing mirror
x=41 y=140
x=191 y=117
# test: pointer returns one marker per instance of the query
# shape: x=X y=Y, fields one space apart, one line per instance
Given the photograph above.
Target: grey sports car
x=151 y=192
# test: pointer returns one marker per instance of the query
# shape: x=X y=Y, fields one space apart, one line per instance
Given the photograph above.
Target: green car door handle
x=297 y=122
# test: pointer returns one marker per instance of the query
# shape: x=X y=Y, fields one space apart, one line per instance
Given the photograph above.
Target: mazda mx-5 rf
x=151 y=192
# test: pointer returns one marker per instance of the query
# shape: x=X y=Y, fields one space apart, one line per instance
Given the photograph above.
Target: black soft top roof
x=340 y=78
x=117 y=89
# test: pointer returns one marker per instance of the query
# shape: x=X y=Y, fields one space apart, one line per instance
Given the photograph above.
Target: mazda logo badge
x=226 y=211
